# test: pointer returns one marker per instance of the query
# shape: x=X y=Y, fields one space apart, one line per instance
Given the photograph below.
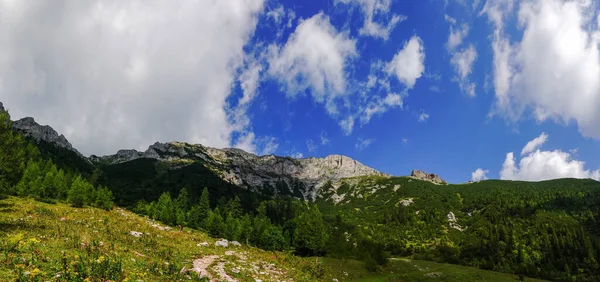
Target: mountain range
x=301 y=177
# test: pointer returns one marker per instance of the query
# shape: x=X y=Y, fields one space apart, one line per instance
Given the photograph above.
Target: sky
x=467 y=89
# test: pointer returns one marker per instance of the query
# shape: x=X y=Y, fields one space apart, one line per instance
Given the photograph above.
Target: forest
x=544 y=229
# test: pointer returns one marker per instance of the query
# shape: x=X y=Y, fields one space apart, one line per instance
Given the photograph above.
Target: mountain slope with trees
x=539 y=229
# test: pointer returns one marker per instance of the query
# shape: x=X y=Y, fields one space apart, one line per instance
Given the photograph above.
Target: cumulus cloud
x=314 y=58
x=534 y=144
x=373 y=9
x=114 y=74
x=538 y=165
x=362 y=143
x=554 y=70
x=408 y=64
x=479 y=174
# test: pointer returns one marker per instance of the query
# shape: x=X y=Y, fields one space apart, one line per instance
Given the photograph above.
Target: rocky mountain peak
x=249 y=170
x=419 y=174
x=30 y=128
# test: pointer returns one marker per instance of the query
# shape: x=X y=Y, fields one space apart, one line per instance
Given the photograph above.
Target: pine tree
x=77 y=194
x=234 y=207
x=273 y=239
x=104 y=198
x=204 y=205
x=165 y=209
x=61 y=185
x=310 y=234
x=13 y=156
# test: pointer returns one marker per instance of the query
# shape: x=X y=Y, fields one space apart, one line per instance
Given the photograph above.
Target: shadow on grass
x=10 y=227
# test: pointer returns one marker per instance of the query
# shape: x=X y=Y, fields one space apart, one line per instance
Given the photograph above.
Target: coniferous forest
x=547 y=229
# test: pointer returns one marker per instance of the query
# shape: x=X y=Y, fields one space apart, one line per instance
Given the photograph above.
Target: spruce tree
x=77 y=194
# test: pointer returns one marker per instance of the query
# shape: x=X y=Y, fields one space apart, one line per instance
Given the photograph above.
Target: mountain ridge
x=301 y=177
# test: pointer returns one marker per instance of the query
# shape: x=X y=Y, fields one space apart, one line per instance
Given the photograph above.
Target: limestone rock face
x=30 y=128
x=301 y=177
x=419 y=174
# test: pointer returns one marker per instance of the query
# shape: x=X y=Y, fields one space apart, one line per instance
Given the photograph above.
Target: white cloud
x=534 y=144
x=278 y=15
x=404 y=140
x=462 y=61
x=324 y=139
x=408 y=64
x=450 y=19
x=266 y=145
x=423 y=117
x=311 y=146
x=314 y=57
x=295 y=154
x=554 y=70
x=457 y=36
x=538 y=165
x=362 y=143
x=372 y=9
x=479 y=174
x=347 y=125
x=379 y=106
x=115 y=74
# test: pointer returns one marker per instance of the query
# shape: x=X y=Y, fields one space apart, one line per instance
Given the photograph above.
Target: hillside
x=332 y=207
x=55 y=242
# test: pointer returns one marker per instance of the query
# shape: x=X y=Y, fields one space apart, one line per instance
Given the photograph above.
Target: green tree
x=104 y=198
x=273 y=239
x=204 y=204
x=310 y=234
x=77 y=194
x=165 y=210
x=234 y=207
x=13 y=156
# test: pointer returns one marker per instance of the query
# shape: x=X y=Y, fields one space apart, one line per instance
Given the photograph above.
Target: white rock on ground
x=135 y=233
x=222 y=243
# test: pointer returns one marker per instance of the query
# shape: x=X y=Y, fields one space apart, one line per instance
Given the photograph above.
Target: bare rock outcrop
x=30 y=128
x=419 y=174
x=305 y=175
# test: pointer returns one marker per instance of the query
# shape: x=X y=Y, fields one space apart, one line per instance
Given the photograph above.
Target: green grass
x=412 y=270
x=56 y=242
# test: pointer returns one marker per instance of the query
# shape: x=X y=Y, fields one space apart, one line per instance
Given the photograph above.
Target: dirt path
x=201 y=266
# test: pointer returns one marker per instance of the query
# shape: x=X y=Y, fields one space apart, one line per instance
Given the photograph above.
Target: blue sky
x=448 y=87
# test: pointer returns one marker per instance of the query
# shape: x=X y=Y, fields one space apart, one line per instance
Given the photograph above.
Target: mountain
x=333 y=206
x=271 y=175
x=302 y=178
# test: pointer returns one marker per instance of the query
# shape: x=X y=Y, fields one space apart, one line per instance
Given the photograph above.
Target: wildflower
x=100 y=259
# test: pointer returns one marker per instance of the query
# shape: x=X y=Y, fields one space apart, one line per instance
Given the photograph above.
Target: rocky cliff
x=419 y=174
x=301 y=177
x=30 y=128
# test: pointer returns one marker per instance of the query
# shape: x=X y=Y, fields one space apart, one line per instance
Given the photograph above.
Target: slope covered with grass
x=56 y=242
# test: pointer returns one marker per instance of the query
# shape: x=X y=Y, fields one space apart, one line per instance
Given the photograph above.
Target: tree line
x=24 y=172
